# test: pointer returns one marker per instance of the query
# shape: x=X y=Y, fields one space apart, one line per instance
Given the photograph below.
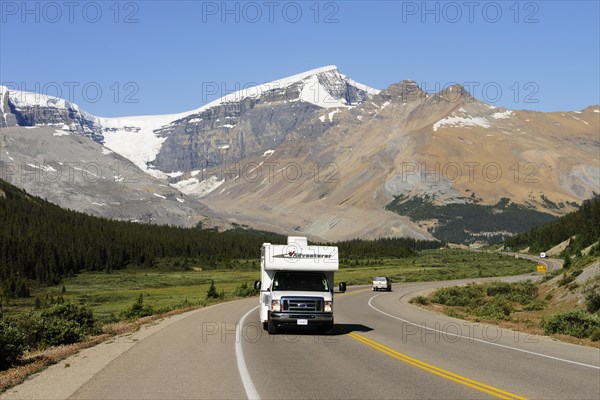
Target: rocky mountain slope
x=80 y=174
x=462 y=170
x=321 y=154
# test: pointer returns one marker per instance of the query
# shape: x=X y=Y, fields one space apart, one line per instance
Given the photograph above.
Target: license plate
x=302 y=322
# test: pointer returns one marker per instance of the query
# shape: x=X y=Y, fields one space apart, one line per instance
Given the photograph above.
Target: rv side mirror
x=257 y=285
x=342 y=287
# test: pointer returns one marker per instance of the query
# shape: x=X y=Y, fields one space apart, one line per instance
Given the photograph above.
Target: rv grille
x=302 y=304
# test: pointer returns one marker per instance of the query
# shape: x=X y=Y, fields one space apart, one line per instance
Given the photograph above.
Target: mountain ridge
x=360 y=152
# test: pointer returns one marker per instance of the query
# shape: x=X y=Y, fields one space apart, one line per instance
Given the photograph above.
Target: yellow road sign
x=541 y=268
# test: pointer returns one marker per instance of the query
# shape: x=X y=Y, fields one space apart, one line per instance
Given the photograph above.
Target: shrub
x=498 y=308
x=523 y=292
x=138 y=309
x=61 y=323
x=497 y=288
x=57 y=331
x=459 y=296
x=592 y=298
x=535 y=305
x=12 y=344
x=581 y=324
x=420 y=300
x=80 y=315
x=212 y=293
x=244 y=290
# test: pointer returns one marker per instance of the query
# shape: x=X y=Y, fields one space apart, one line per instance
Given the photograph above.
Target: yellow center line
x=436 y=370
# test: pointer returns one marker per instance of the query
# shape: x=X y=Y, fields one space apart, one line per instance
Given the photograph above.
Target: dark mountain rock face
x=30 y=109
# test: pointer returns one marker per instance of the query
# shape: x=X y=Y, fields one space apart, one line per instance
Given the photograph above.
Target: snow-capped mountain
x=320 y=154
x=160 y=144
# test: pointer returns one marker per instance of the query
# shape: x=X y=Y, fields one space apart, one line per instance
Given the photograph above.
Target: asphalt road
x=382 y=348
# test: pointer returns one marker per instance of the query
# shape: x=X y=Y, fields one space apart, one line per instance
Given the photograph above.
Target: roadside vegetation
x=564 y=303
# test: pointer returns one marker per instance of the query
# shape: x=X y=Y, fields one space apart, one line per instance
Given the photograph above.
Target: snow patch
x=578 y=119
x=199 y=188
x=159 y=196
x=106 y=151
x=134 y=137
x=461 y=122
x=502 y=115
x=315 y=93
x=60 y=132
x=174 y=174
x=331 y=114
x=268 y=153
x=46 y=168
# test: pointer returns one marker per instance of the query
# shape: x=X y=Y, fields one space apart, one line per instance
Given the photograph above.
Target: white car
x=382 y=283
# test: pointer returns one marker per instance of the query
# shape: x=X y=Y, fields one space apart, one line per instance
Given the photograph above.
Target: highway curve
x=382 y=348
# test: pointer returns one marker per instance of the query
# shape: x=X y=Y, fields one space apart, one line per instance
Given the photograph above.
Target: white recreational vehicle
x=296 y=284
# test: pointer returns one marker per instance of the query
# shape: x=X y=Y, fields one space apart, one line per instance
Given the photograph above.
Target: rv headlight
x=275 y=306
x=328 y=306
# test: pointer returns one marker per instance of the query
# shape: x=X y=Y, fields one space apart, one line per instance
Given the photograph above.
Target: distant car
x=543 y=255
x=382 y=283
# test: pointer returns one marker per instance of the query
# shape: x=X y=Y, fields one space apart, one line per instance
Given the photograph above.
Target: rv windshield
x=300 y=281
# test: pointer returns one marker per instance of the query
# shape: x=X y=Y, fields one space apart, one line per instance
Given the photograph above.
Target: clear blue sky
x=549 y=50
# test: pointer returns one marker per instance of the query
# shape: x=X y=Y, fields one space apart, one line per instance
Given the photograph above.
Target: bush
x=12 y=344
x=535 y=305
x=498 y=308
x=420 y=300
x=592 y=298
x=57 y=331
x=139 y=309
x=80 y=315
x=523 y=292
x=244 y=290
x=580 y=324
x=61 y=323
x=459 y=296
x=212 y=293
x=497 y=288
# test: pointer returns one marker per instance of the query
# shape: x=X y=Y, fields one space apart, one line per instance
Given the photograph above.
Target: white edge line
x=478 y=340
x=251 y=392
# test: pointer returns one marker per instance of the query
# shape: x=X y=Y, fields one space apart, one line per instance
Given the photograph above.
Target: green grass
x=113 y=293
x=110 y=294
x=432 y=265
